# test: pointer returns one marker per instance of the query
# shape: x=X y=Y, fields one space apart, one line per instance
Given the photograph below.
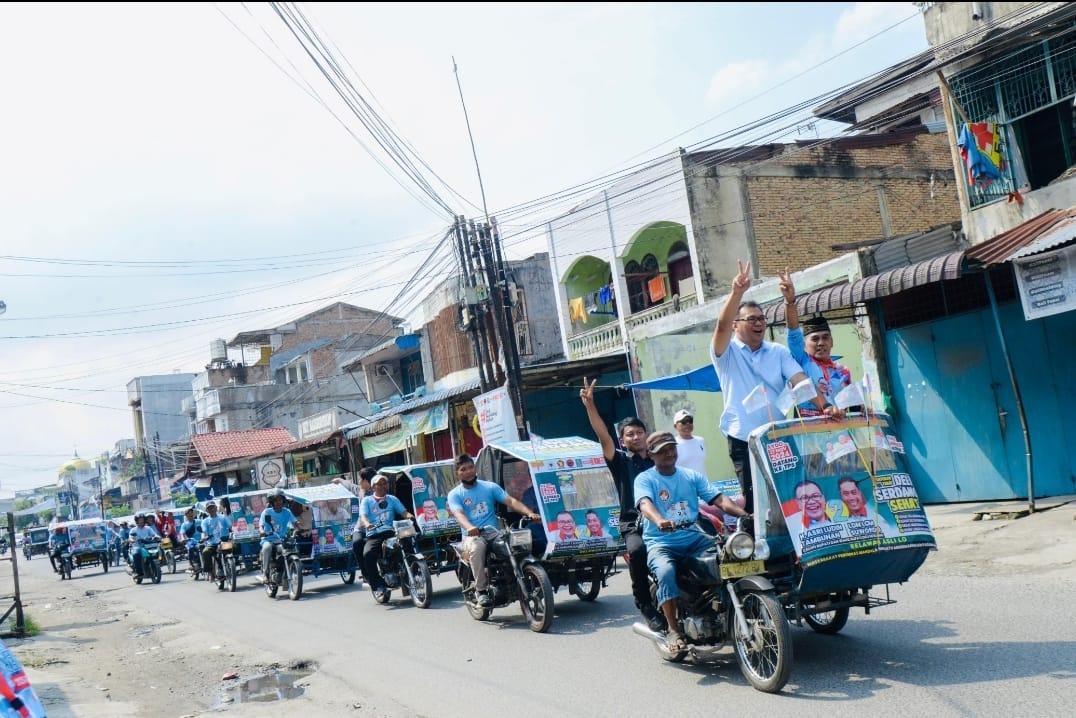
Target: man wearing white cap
x=691 y=448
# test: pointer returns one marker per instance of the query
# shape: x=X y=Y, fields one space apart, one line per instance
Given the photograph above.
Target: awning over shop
x=385 y=443
x=947 y=266
x=390 y=418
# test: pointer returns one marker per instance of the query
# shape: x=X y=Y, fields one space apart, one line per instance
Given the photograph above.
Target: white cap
x=681 y=415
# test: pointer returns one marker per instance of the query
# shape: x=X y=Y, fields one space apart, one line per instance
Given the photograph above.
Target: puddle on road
x=267 y=687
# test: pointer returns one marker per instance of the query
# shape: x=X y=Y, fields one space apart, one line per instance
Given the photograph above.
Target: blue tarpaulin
x=702 y=379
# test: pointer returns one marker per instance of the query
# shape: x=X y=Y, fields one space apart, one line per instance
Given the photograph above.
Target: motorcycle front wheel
x=293 y=573
x=154 y=570
x=537 y=602
x=422 y=586
x=765 y=651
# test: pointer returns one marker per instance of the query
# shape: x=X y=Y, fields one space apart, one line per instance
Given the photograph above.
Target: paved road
x=951 y=646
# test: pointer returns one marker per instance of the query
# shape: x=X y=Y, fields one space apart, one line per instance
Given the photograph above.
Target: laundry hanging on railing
x=980 y=147
x=577 y=310
x=656 y=287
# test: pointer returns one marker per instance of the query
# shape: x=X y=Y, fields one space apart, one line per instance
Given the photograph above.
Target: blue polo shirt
x=477 y=503
x=829 y=379
x=740 y=370
x=677 y=498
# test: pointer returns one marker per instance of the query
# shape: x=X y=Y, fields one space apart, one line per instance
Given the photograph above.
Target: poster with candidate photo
x=847 y=500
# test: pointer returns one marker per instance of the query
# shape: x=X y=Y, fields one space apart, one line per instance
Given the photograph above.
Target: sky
x=177 y=173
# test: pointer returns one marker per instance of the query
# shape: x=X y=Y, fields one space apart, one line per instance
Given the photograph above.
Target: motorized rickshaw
x=423 y=490
x=566 y=481
x=328 y=548
x=839 y=514
x=87 y=546
x=244 y=511
x=35 y=543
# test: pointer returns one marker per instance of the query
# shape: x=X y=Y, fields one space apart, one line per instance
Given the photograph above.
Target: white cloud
x=736 y=80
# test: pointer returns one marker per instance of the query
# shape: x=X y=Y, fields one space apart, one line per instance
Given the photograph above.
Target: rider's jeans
x=663 y=560
x=267 y=556
x=370 y=552
x=209 y=551
x=137 y=556
x=475 y=546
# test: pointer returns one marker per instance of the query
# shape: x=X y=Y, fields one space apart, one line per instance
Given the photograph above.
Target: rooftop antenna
x=474 y=153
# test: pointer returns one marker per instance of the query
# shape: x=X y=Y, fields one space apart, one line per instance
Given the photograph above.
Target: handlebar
x=679 y=525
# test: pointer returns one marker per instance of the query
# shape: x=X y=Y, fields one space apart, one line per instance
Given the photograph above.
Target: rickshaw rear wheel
x=765 y=652
x=478 y=613
x=537 y=604
x=422 y=590
x=588 y=589
x=104 y=561
x=828 y=622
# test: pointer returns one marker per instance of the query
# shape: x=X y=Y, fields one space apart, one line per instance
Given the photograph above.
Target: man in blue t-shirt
x=473 y=503
x=215 y=528
x=274 y=523
x=668 y=498
x=376 y=514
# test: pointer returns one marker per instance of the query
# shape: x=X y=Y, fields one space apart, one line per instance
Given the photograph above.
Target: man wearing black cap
x=811 y=346
x=625 y=464
x=668 y=496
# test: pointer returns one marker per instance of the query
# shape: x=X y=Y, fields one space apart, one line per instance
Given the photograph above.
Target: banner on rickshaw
x=567 y=482
x=843 y=488
x=333 y=513
x=430 y=485
x=86 y=536
x=245 y=511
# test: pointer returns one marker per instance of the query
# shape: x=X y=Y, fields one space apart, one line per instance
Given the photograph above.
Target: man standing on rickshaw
x=625 y=464
x=668 y=497
x=744 y=361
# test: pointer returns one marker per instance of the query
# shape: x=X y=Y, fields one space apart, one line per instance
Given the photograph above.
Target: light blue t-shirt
x=380 y=518
x=143 y=533
x=477 y=503
x=829 y=379
x=277 y=524
x=191 y=530
x=677 y=498
x=216 y=528
x=740 y=370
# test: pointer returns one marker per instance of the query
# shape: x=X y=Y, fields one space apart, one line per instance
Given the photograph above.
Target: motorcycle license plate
x=740 y=569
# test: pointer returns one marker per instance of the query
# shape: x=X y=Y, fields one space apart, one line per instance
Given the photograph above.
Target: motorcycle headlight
x=740 y=546
x=520 y=538
x=404 y=529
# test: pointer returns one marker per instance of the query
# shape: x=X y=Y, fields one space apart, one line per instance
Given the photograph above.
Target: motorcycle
x=285 y=567
x=194 y=559
x=403 y=566
x=724 y=598
x=222 y=571
x=168 y=554
x=65 y=564
x=514 y=575
x=151 y=561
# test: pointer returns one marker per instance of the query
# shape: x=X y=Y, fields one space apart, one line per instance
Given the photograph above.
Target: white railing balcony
x=606 y=339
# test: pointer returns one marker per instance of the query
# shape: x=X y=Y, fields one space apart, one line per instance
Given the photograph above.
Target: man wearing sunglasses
x=744 y=360
x=376 y=513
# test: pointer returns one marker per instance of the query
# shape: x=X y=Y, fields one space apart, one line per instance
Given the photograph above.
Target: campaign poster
x=573 y=491
x=86 y=537
x=19 y=686
x=246 y=510
x=430 y=485
x=333 y=513
x=844 y=492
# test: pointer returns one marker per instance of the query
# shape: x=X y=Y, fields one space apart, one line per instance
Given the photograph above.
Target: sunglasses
x=686 y=420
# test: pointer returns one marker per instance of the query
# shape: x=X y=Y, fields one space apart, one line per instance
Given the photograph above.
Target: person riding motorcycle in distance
x=668 y=497
x=215 y=528
x=190 y=533
x=143 y=531
x=59 y=539
x=376 y=513
x=473 y=503
x=275 y=521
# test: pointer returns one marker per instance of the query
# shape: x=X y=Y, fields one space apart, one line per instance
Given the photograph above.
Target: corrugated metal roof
x=390 y=418
x=1052 y=227
x=947 y=266
x=897 y=252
